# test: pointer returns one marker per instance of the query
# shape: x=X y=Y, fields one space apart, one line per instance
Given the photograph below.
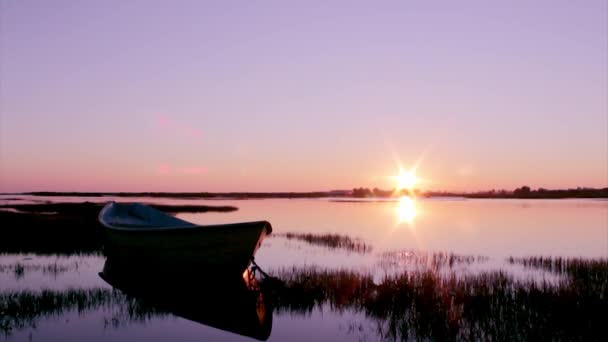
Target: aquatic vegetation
x=333 y=241
x=562 y=265
x=592 y=274
x=425 y=260
x=19 y=269
x=19 y=310
x=432 y=305
x=420 y=305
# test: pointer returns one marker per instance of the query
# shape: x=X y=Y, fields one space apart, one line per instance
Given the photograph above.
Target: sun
x=406 y=180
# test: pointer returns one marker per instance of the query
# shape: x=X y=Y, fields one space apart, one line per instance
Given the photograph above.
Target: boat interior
x=136 y=215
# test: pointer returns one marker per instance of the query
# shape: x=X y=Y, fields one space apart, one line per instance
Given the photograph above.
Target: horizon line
x=497 y=190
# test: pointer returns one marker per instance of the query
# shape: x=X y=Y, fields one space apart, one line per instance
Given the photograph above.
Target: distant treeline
x=522 y=192
x=375 y=192
x=527 y=192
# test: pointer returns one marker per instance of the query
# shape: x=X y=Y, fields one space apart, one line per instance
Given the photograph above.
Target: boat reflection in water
x=234 y=304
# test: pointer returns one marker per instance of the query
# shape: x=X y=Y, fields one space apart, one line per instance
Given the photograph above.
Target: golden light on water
x=406 y=210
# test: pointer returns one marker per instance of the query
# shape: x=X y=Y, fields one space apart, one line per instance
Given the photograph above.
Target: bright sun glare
x=406 y=180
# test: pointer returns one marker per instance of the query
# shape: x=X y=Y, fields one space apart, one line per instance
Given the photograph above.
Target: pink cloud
x=171 y=126
x=163 y=169
x=163 y=121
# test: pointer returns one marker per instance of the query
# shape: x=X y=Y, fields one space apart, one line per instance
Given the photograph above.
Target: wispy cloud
x=174 y=127
x=163 y=169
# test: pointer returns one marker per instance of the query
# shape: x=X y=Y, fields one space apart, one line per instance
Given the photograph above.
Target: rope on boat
x=257 y=267
x=267 y=278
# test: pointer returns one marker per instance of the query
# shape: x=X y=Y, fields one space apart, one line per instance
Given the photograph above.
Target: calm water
x=337 y=286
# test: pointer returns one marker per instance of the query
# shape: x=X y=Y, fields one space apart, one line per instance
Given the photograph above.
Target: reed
x=410 y=305
x=426 y=260
x=54 y=269
x=430 y=305
x=332 y=241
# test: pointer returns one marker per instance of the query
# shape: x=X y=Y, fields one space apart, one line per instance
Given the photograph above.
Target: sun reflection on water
x=406 y=210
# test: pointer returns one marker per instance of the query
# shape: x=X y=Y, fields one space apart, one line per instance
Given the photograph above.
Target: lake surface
x=356 y=270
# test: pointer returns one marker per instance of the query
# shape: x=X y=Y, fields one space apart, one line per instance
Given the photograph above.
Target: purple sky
x=308 y=95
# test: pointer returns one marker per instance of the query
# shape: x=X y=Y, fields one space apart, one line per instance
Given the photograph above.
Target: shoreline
x=581 y=193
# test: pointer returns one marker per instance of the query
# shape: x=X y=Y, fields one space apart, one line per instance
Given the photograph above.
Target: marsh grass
x=425 y=304
x=427 y=260
x=331 y=241
x=23 y=309
x=420 y=305
x=54 y=269
x=591 y=274
x=20 y=310
x=429 y=305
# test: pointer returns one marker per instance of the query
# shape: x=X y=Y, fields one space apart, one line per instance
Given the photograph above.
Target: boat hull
x=219 y=248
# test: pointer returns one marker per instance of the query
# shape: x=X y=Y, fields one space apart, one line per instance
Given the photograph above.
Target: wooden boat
x=236 y=305
x=144 y=235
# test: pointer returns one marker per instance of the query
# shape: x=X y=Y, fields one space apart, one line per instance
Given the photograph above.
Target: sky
x=302 y=95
